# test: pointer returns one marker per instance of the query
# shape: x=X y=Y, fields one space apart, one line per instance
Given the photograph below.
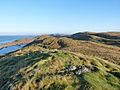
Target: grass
x=102 y=82
x=109 y=38
x=107 y=52
x=42 y=71
x=39 y=66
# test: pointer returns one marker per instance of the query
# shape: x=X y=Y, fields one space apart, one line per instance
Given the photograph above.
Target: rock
x=72 y=68
x=28 y=54
x=84 y=70
x=17 y=76
x=41 y=52
x=79 y=72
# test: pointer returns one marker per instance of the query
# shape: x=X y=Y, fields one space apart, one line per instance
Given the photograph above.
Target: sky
x=58 y=16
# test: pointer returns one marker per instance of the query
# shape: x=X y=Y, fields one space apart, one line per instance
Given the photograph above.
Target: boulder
x=18 y=76
x=78 y=72
x=84 y=70
x=72 y=68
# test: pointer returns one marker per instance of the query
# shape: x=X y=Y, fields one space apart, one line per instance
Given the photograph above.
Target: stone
x=41 y=52
x=72 y=68
x=18 y=76
x=84 y=70
x=28 y=54
x=79 y=72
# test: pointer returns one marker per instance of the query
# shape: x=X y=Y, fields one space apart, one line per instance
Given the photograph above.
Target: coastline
x=14 y=45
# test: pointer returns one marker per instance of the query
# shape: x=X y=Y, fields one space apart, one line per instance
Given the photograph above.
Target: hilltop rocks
x=78 y=70
x=85 y=69
x=71 y=68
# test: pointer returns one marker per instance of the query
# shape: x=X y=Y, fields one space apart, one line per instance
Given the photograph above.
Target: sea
x=6 y=39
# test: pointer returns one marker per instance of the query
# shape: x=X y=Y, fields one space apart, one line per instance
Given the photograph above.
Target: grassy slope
x=29 y=69
x=109 y=38
x=110 y=53
x=47 y=71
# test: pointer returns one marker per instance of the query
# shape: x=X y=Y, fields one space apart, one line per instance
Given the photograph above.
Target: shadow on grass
x=10 y=66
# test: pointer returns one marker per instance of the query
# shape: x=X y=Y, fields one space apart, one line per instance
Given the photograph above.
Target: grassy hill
x=109 y=38
x=52 y=71
x=61 y=63
x=107 y=52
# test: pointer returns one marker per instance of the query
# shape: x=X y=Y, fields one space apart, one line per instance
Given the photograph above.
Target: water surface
x=6 y=39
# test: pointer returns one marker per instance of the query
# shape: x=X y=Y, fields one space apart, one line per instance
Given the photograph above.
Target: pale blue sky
x=58 y=16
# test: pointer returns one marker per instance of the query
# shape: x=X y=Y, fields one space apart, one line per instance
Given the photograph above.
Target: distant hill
x=110 y=38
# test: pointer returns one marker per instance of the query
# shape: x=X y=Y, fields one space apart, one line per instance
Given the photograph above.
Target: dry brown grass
x=107 y=52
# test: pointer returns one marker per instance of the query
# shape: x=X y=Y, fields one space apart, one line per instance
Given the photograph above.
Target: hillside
x=107 y=52
x=57 y=70
x=109 y=38
x=61 y=63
